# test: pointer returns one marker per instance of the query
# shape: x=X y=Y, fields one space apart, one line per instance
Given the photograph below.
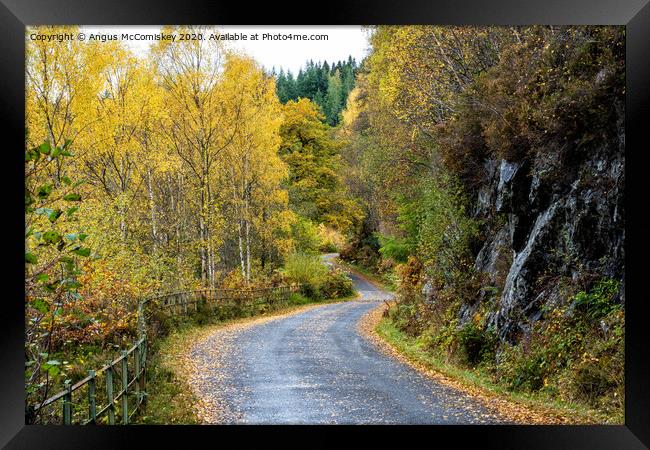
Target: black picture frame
x=635 y=14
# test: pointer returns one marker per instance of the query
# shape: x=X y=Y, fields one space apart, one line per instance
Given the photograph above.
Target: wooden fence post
x=137 y=374
x=125 y=386
x=92 y=406
x=141 y=324
x=109 y=394
x=67 y=404
x=143 y=380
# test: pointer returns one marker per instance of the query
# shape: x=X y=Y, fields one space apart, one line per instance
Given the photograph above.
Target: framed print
x=416 y=216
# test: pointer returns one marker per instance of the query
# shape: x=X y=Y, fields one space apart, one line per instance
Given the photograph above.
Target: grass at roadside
x=382 y=281
x=170 y=397
x=556 y=411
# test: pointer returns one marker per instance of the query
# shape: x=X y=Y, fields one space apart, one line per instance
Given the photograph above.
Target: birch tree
x=200 y=122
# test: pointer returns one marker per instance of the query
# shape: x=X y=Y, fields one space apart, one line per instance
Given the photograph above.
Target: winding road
x=313 y=367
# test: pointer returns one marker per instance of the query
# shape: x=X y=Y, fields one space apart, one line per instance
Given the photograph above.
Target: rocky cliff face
x=554 y=218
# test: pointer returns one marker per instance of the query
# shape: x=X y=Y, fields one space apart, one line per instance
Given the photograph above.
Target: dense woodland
x=175 y=172
x=478 y=171
x=327 y=86
x=490 y=165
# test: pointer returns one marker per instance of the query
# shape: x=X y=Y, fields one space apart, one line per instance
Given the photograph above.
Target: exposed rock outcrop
x=557 y=216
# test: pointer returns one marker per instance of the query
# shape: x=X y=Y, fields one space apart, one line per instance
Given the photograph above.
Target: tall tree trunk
x=263 y=255
x=241 y=248
x=202 y=234
x=246 y=195
x=123 y=227
x=178 y=211
x=204 y=228
x=248 y=252
x=238 y=215
x=152 y=206
x=210 y=263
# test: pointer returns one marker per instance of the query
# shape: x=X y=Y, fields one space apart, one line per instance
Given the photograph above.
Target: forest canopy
x=478 y=171
x=328 y=86
x=489 y=163
x=177 y=171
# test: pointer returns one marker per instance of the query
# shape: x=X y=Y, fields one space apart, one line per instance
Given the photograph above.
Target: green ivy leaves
x=44 y=191
x=81 y=251
x=72 y=197
x=30 y=258
x=52 y=367
x=51 y=237
x=43 y=201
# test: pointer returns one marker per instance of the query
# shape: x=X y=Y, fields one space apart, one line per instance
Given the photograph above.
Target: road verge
x=517 y=408
x=172 y=398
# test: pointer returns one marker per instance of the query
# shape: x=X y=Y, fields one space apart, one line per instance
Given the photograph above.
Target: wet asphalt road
x=315 y=368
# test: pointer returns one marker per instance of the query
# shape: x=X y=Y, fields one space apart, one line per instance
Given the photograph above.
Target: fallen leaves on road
x=514 y=412
x=192 y=356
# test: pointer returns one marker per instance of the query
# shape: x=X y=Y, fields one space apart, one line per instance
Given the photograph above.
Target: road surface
x=314 y=367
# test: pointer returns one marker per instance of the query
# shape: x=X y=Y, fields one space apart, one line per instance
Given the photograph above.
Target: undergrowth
x=573 y=356
x=417 y=349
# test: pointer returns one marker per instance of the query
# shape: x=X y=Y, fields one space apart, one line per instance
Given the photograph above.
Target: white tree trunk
x=152 y=206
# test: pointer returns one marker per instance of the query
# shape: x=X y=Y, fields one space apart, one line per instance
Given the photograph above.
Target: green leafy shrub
x=407 y=318
x=599 y=302
x=307 y=270
x=434 y=216
x=337 y=284
x=311 y=291
x=536 y=361
x=571 y=354
x=203 y=315
x=362 y=250
x=410 y=277
x=394 y=248
x=596 y=376
x=305 y=236
x=529 y=373
x=297 y=299
x=401 y=315
x=476 y=343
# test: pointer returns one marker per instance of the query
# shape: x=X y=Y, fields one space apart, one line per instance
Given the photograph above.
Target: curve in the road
x=313 y=367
